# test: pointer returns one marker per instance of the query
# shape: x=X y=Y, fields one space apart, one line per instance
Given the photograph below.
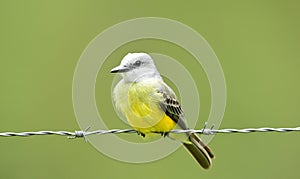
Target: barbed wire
x=205 y=131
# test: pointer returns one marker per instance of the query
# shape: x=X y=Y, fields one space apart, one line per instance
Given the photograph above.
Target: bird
x=151 y=106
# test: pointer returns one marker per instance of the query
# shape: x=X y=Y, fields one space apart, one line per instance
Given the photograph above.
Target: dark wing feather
x=173 y=109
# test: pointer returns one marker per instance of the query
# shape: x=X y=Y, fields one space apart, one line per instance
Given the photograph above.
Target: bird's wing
x=173 y=109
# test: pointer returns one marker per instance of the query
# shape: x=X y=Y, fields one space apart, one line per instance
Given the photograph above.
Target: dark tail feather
x=200 y=151
x=197 y=138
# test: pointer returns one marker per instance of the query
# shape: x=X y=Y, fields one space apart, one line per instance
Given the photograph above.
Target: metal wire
x=205 y=131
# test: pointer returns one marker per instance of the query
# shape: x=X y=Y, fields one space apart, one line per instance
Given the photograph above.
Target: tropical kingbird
x=150 y=105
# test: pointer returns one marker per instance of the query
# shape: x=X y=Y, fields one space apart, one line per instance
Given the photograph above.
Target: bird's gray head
x=136 y=67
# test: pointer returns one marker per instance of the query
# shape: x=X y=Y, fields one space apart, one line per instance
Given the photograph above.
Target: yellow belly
x=165 y=124
x=143 y=110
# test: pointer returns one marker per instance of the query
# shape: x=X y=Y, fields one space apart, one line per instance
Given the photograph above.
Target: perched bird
x=150 y=105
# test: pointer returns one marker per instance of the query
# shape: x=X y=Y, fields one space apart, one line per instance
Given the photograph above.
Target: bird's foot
x=165 y=134
x=141 y=134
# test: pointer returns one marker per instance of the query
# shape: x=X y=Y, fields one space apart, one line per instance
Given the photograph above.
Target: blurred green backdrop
x=257 y=43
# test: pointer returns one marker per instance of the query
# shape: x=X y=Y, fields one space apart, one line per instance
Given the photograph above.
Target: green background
x=257 y=43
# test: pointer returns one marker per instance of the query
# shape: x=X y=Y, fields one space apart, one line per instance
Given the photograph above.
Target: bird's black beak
x=120 y=69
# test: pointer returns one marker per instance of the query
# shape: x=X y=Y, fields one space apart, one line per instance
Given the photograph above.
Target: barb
x=205 y=131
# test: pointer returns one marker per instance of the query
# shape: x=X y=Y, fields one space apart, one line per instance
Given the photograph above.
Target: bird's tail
x=200 y=151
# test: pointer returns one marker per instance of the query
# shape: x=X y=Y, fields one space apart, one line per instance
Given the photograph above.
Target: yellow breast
x=141 y=106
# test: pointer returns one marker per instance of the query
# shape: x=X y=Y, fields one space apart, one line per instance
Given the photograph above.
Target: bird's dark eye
x=137 y=63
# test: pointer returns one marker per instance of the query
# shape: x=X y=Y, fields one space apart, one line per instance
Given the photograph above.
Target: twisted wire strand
x=205 y=131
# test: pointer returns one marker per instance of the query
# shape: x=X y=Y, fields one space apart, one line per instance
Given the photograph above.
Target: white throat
x=138 y=75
